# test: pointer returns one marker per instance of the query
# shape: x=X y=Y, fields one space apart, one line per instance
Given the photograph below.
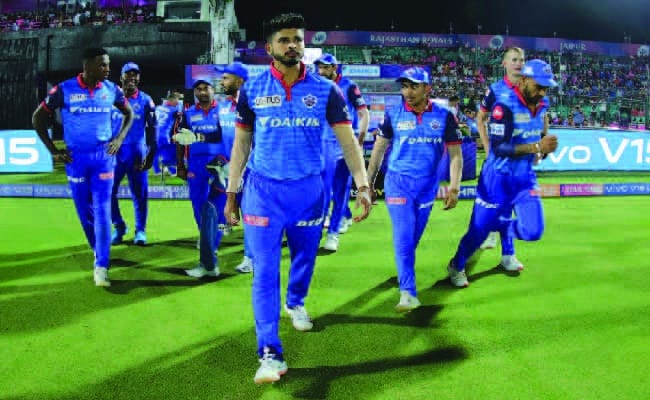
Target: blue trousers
x=211 y=217
x=90 y=175
x=128 y=158
x=498 y=194
x=337 y=181
x=272 y=207
x=409 y=201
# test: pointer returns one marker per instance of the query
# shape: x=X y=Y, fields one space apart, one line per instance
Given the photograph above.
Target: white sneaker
x=101 y=277
x=457 y=278
x=407 y=302
x=199 y=272
x=270 y=369
x=246 y=266
x=490 y=242
x=332 y=242
x=300 y=318
x=510 y=263
x=345 y=225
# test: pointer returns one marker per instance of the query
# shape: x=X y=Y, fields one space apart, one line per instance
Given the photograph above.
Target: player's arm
x=41 y=118
x=181 y=169
x=384 y=138
x=453 y=142
x=364 y=122
x=481 y=125
x=339 y=118
x=150 y=134
x=125 y=108
x=355 y=97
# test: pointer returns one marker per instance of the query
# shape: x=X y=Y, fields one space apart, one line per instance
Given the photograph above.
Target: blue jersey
x=167 y=116
x=227 y=117
x=418 y=140
x=496 y=91
x=512 y=123
x=206 y=123
x=85 y=111
x=143 y=116
x=288 y=122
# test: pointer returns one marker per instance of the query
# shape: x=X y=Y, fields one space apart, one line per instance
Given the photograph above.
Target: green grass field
x=572 y=325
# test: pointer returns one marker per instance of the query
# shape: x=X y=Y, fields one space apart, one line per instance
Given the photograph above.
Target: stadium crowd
x=61 y=14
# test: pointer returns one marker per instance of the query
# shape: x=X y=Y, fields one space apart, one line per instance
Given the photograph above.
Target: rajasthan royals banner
x=598 y=150
x=403 y=39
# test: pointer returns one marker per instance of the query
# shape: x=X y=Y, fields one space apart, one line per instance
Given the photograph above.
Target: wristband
x=538 y=149
x=363 y=188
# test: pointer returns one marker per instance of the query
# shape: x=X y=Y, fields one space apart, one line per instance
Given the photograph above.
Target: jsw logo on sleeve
x=288 y=122
x=419 y=140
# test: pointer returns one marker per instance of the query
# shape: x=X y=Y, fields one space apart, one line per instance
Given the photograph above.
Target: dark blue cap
x=236 y=68
x=415 y=75
x=199 y=81
x=130 y=66
x=540 y=71
x=327 y=59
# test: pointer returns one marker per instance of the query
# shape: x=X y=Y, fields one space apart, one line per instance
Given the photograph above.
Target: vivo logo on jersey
x=419 y=140
x=83 y=110
x=268 y=101
x=288 y=122
x=311 y=222
x=526 y=134
x=405 y=125
x=74 y=98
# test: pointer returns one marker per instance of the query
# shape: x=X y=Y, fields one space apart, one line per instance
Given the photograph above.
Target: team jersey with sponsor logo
x=143 y=115
x=85 y=111
x=511 y=123
x=288 y=122
x=206 y=123
x=418 y=140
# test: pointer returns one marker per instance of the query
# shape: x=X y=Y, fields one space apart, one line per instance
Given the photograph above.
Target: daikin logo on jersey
x=288 y=122
x=82 y=110
x=419 y=140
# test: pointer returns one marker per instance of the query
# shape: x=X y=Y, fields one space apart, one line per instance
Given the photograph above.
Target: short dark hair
x=454 y=98
x=283 y=21
x=93 y=52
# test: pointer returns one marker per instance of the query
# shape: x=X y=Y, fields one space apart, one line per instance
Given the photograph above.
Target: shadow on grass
x=338 y=361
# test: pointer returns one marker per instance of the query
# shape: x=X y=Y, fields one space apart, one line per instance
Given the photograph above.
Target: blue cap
x=199 y=81
x=415 y=75
x=327 y=59
x=130 y=66
x=540 y=71
x=236 y=68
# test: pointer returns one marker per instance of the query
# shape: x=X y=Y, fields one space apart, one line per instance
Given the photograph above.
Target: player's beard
x=229 y=91
x=286 y=60
x=531 y=100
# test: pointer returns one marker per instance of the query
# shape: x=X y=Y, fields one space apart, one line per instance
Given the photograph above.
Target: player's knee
x=530 y=233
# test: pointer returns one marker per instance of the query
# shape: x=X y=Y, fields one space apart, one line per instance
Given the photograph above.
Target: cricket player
x=418 y=131
x=516 y=132
x=135 y=157
x=86 y=103
x=336 y=175
x=286 y=108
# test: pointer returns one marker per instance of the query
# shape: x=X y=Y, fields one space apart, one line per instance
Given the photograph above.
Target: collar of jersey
x=83 y=85
x=213 y=105
x=428 y=108
x=278 y=75
x=135 y=94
